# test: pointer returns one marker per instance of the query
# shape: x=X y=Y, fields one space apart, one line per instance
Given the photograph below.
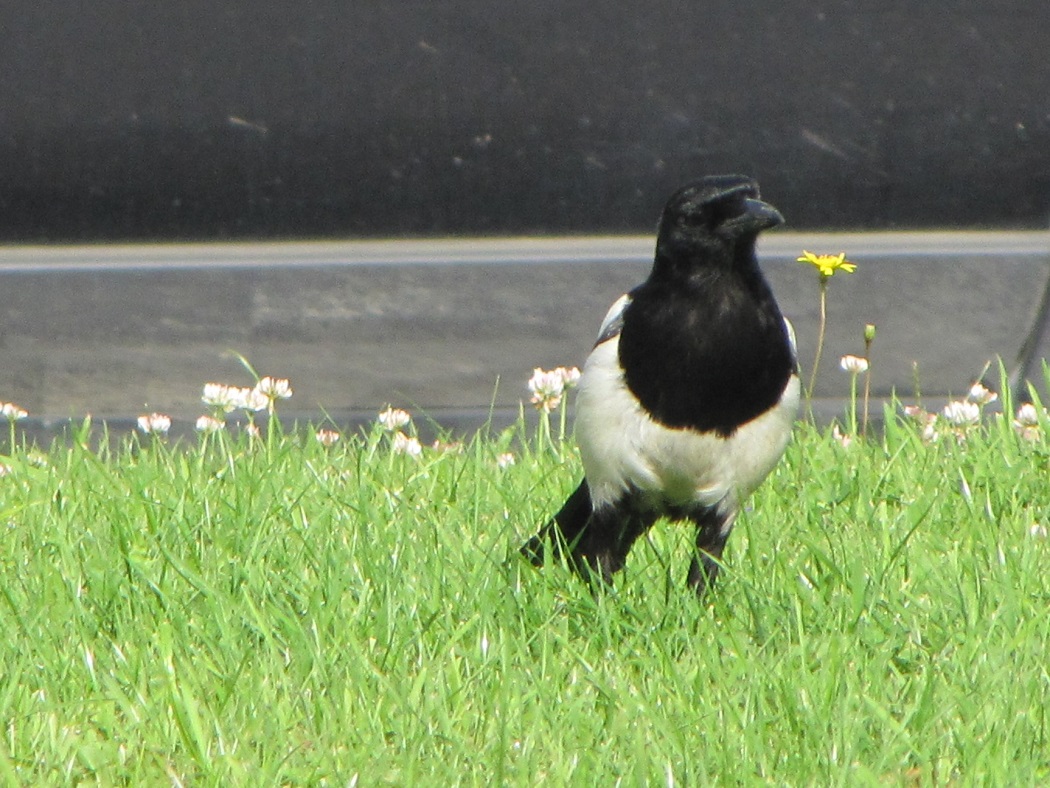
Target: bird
x=687 y=400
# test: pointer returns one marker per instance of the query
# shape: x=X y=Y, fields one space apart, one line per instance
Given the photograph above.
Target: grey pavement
x=454 y=327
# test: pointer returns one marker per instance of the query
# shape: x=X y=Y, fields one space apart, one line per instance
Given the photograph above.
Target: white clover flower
x=929 y=432
x=393 y=418
x=960 y=413
x=1027 y=415
x=37 y=459
x=274 y=388
x=854 y=365
x=5 y=470
x=925 y=419
x=505 y=460
x=213 y=393
x=209 y=424
x=253 y=430
x=844 y=440
x=916 y=413
x=570 y=376
x=219 y=397
x=547 y=387
x=1028 y=434
x=447 y=447
x=249 y=399
x=1038 y=531
x=403 y=444
x=1026 y=424
x=155 y=424
x=327 y=437
x=981 y=395
x=12 y=412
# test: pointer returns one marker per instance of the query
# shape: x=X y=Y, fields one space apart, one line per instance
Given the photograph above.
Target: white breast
x=622 y=447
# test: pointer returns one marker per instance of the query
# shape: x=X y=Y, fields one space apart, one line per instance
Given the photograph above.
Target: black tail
x=564 y=529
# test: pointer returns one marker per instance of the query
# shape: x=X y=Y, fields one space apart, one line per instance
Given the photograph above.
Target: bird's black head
x=714 y=217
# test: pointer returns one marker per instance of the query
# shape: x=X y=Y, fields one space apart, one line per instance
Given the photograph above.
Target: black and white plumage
x=687 y=400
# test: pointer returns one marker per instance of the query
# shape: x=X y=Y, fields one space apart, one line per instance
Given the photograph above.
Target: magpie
x=687 y=400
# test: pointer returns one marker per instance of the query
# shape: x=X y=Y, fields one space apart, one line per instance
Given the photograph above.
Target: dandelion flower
x=960 y=413
x=547 y=387
x=981 y=395
x=854 y=365
x=274 y=388
x=828 y=264
x=505 y=460
x=155 y=424
x=12 y=412
x=393 y=418
x=209 y=424
x=327 y=437
x=403 y=444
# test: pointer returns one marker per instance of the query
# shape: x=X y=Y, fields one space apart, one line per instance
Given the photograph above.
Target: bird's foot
x=534 y=550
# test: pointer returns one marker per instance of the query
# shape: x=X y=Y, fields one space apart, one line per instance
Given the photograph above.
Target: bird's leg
x=564 y=529
x=712 y=531
x=604 y=544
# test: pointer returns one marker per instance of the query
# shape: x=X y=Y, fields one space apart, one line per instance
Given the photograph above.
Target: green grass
x=281 y=613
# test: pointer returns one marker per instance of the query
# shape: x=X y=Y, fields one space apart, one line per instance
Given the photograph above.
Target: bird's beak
x=756 y=216
x=762 y=214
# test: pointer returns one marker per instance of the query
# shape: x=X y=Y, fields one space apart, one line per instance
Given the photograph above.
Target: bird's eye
x=696 y=218
x=725 y=209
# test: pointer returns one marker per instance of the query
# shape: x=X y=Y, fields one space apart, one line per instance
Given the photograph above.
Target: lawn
x=271 y=610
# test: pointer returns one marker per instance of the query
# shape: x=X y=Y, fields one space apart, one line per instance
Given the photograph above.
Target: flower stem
x=869 y=338
x=820 y=341
x=562 y=418
x=853 y=404
x=545 y=442
x=867 y=396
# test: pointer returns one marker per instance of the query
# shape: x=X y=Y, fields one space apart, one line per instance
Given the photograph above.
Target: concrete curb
x=454 y=326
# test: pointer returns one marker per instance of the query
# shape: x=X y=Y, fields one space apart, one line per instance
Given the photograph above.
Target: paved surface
x=453 y=327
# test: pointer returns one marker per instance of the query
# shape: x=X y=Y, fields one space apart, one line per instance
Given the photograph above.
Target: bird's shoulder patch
x=612 y=325
x=791 y=341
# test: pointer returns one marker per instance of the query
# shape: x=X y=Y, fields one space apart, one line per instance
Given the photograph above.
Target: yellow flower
x=828 y=264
